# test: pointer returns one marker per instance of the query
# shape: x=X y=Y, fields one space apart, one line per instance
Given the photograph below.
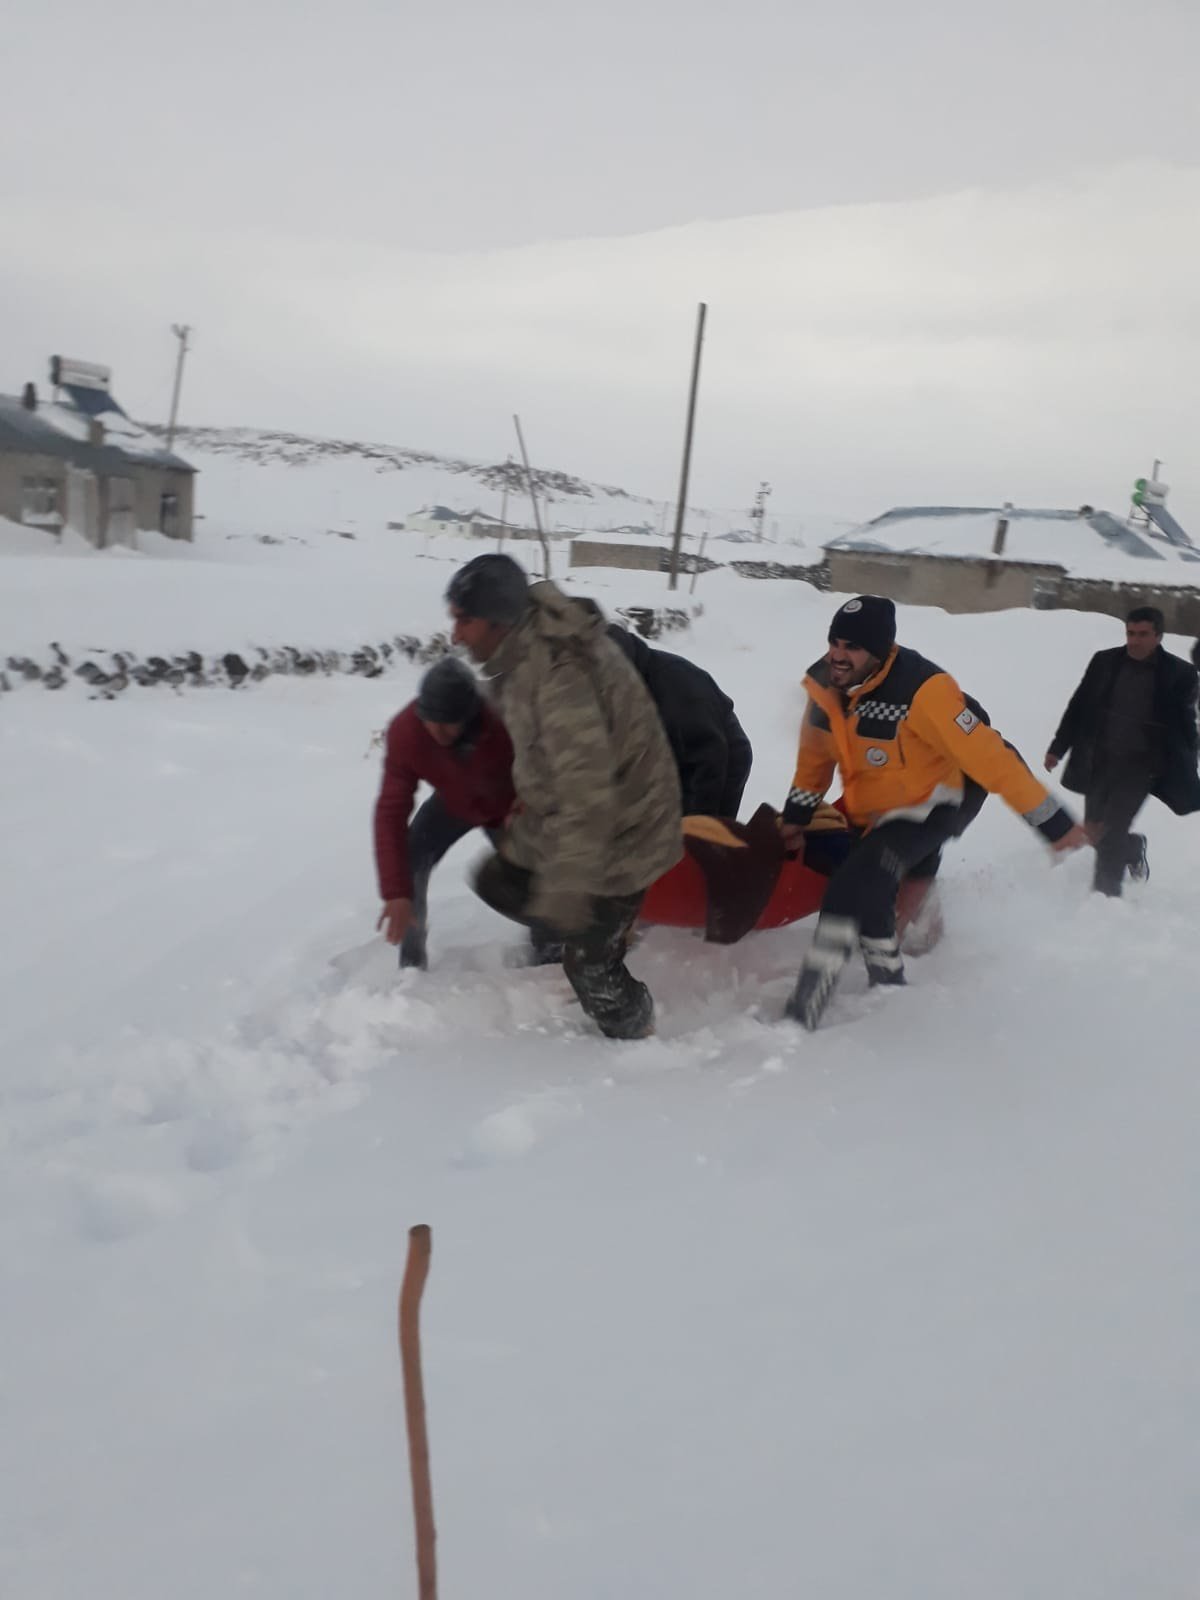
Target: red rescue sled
x=679 y=899
x=735 y=878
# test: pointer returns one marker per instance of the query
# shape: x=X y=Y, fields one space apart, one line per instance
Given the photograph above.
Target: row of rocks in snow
x=816 y=575
x=109 y=673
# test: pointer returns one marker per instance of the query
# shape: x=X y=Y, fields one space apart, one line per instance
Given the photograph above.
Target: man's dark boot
x=412 y=949
x=616 y=1001
x=1107 y=877
x=821 y=969
x=885 y=964
x=1139 y=863
x=545 y=946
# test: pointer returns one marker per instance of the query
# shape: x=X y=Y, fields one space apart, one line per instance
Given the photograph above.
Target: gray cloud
x=1036 y=344
x=468 y=123
x=366 y=213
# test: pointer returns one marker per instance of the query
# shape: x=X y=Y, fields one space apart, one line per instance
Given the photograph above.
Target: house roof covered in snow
x=63 y=432
x=1085 y=543
x=642 y=541
x=442 y=514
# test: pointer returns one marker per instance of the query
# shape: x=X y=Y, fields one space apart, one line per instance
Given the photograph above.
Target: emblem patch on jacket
x=967 y=720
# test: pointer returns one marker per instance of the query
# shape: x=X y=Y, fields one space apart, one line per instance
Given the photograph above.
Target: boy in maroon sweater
x=449 y=738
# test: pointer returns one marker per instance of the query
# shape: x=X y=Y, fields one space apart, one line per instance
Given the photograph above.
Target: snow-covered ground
x=907 y=1308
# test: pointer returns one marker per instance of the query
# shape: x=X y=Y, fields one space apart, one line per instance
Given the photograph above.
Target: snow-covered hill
x=906 y=1308
x=288 y=485
x=318 y=545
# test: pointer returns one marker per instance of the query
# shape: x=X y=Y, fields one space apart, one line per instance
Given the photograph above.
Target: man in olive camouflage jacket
x=597 y=818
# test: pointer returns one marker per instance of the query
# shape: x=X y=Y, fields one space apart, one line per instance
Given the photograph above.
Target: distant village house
x=440 y=519
x=79 y=462
x=992 y=558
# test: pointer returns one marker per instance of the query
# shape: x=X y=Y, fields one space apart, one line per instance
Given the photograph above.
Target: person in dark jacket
x=1130 y=728
x=708 y=742
x=449 y=738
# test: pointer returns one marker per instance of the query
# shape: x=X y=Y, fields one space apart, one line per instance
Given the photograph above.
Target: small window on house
x=40 y=506
x=168 y=519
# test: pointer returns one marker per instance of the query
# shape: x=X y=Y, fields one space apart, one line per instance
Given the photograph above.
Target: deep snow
x=905 y=1308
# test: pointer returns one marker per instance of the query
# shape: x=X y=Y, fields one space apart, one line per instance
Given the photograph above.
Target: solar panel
x=1166 y=524
x=92 y=402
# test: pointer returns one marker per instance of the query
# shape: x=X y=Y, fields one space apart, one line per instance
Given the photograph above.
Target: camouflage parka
x=598 y=803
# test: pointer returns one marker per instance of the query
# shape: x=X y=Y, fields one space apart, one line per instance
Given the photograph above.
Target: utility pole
x=504 y=506
x=759 y=514
x=699 y=559
x=681 y=509
x=182 y=333
x=537 y=515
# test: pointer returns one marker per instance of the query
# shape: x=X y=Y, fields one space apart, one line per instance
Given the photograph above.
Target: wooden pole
x=416 y=1270
x=699 y=559
x=182 y=332
x=537 y=515
x=681 y=509
x=504 y=507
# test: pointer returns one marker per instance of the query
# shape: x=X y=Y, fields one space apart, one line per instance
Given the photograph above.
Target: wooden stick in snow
x=416 y=1270
x=681 y=508
x=537 y=515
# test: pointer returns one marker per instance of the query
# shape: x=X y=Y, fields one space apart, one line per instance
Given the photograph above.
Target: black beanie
x=492 y=587
x=868 y=623
x=448 y=692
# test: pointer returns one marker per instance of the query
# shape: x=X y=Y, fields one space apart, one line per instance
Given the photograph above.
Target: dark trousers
x=430 y=834
x=863 y=889
x=827 y=850
x=594 y=960
x=1114 y=797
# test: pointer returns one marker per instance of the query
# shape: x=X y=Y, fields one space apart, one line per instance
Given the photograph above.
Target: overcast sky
x=404 y=223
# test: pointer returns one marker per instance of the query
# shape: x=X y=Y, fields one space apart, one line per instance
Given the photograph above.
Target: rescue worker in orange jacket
x=909 y=749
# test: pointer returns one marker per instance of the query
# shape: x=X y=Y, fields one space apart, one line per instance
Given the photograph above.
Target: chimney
x=95 y=431
x=1001 y=533
x=29 y=397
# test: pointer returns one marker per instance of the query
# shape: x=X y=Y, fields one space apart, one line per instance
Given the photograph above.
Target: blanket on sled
x=735 y=876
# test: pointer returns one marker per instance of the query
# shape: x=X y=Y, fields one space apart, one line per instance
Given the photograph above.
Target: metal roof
x=29 y=433
x=891 y=532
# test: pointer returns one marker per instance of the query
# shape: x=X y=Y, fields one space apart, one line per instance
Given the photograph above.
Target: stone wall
x=629 y=557
x=817 y=576
x=108 y=673
x=966 y=586
x=951 y=583
x=1180 y=607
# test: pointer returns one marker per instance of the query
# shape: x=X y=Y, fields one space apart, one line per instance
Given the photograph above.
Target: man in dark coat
x=449 y=738
x=710 y=746
x=1131 y=731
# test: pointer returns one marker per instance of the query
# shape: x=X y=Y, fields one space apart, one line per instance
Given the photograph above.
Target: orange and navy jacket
x=905 y=741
